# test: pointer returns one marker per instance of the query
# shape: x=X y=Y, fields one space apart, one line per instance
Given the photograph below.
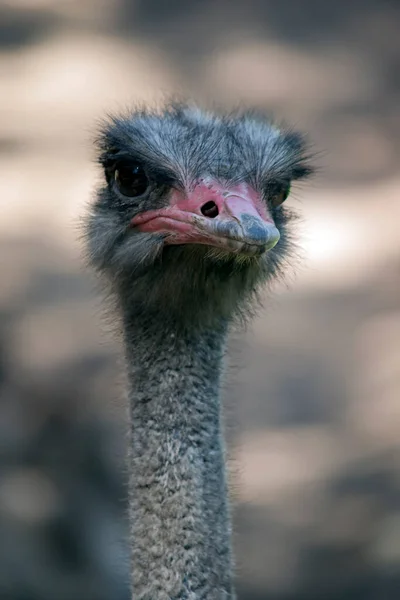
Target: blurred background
x=312 y=395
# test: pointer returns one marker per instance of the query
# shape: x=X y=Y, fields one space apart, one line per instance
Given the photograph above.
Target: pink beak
x=234 y=218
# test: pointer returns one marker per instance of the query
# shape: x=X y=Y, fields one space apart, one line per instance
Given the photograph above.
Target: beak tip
x=259 y=232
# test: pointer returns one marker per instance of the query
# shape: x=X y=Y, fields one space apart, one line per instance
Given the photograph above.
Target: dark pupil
x=131 y=180
x=280 y=194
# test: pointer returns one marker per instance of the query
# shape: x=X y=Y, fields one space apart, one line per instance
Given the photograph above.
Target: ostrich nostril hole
x=210 y=209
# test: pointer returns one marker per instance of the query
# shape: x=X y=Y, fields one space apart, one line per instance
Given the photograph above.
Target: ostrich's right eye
x=131 y=179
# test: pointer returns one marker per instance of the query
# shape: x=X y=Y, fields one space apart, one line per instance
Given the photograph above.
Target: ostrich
x=187 y=226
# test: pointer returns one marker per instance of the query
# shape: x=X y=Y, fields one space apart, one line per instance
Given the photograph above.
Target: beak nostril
x=210 y=209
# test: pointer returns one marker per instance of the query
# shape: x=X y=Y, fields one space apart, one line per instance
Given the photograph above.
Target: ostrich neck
x=180 y=522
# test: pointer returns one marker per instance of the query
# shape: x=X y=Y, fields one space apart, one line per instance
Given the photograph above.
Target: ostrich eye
x=279 y=195
x=131 y=179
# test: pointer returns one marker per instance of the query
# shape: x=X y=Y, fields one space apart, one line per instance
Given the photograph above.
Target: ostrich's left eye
x=280 y=194
x=131 y=179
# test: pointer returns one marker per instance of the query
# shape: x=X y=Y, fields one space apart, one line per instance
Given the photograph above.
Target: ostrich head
x=190 y=219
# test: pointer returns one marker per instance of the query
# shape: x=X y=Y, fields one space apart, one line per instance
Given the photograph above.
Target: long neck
x=180 y=525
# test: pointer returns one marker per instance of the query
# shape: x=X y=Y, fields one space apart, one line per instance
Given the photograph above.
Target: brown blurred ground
x=313 y=390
